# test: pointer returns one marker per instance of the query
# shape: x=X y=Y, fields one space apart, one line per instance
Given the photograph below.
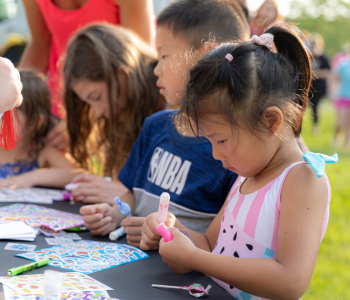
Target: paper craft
x=35 y=215
x=86 y=296
x=33 y=284
x=58 y=241
x=72 y=236
x=20 y=247
x=35 y=195
x=87 y=256
x=11 y=294
x=16 y=230
x=49 y=232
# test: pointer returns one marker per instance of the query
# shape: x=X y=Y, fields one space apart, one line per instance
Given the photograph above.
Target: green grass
x=331 y=277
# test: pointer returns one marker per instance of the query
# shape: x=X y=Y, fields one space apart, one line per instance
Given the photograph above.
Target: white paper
x=16 y=230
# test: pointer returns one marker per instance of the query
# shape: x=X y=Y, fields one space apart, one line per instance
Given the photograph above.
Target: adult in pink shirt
x=53 y=22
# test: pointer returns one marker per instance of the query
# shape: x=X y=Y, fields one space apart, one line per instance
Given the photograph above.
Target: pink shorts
x=342 y=103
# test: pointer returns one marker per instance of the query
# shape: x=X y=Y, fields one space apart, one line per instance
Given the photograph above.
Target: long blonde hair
x=95 y=53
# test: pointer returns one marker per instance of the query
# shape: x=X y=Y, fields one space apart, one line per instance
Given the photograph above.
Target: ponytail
x=290 y=45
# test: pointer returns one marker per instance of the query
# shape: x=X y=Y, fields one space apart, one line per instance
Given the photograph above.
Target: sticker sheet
x=11 y=294
x=20 y=247
x=35 y=215
x=87 y=256
x=33 y=284
x=58 y=240
x=87 y=296
x=35 y=195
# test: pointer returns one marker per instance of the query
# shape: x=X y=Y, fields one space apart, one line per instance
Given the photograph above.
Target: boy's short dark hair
x=198 y=21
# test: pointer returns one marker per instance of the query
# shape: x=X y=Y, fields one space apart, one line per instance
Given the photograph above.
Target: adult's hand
x=100 y=219
x=95 y=189
x=10 y=86
x=58 y=136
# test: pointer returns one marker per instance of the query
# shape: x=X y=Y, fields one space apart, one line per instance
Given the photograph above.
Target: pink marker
x=163 y=207
x=166 y=234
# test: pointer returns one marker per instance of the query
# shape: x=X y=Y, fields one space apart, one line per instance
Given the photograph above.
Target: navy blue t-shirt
x=162 y=160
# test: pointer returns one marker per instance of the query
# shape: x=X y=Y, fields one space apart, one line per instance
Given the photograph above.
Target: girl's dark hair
x=255 y=79
x=36 y=103
x=95 y=53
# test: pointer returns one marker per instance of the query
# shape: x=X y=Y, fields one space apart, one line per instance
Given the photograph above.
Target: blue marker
x=124 y=208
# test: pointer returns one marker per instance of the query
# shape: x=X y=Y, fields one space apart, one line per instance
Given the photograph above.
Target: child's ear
x=272 y=117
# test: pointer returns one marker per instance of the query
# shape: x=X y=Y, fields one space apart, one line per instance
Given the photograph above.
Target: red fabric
x=62 y=24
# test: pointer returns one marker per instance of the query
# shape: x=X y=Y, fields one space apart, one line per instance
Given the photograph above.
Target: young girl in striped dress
x=249 y=100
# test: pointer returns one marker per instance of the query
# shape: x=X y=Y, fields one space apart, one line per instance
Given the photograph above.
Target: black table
x=130 y=281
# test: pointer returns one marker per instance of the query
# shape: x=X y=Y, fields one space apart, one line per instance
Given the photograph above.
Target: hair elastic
x=265 y=39
x=229 y=57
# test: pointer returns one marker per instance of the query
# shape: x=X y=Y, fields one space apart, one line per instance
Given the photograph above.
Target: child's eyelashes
x=222 y=141
x=164 y=56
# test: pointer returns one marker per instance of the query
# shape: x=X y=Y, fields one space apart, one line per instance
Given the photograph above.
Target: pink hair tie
x=265 y=39
x=229 y=57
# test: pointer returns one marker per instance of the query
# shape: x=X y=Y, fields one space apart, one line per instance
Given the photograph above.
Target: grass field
x=331 y=279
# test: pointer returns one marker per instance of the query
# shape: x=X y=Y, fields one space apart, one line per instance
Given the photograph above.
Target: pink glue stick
x=163 y=207
x=166 y=234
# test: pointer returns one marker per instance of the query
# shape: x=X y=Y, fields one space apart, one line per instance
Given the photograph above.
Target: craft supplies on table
x=72 y=282
x=11 y=294
x=35 y=195
x=20 y=247
x=196 y=290
x=17 y=230
x=87 y=256
x=35 y=215
x=28 y=267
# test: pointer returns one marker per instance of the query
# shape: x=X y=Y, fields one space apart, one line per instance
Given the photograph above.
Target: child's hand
x=150 y=235
x=20 y=181
x=10 y=86
x=133 y=229
x=100 y=219
x=178 y=253
x=95 y=189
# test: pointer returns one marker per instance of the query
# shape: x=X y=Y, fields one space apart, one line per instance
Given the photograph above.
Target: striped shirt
x=249 y=226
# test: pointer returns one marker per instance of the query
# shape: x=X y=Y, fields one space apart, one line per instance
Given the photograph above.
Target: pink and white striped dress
x=249 y=226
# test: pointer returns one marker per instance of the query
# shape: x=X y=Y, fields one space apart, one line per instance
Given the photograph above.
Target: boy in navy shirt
x=162 y=159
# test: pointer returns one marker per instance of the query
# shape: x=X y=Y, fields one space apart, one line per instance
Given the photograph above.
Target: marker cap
x=166 y=234
x=164 y=198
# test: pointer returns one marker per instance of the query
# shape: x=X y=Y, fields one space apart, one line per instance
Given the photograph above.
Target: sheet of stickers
x=33 y=284
x=35 y=215
x=87 y=256
x=34 y=195
x=11 y=294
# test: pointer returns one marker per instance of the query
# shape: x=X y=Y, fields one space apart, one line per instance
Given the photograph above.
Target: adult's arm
x=10 y=86
x=138 y=15
x=36 y=54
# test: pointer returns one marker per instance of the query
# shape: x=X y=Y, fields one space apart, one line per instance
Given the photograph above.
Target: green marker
x=28 y=267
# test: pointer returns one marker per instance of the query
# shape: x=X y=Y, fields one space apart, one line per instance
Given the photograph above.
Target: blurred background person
x=341 y=96
x=266 y=16
x=53 y=22
x=321 y=69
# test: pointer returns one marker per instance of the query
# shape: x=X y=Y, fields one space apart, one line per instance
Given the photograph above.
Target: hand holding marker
x=125 y=210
